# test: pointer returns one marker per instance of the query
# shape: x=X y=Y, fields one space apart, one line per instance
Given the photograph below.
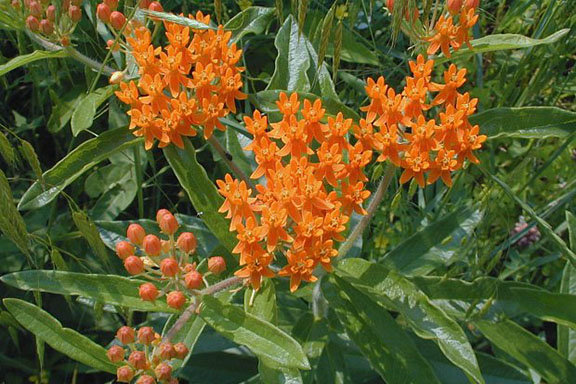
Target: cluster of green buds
x=170 y=262
x=145 y=356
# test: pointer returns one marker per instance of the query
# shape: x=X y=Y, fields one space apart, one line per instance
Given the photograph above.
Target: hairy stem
x=228 y=159
x=363 y=224
x=189 y=312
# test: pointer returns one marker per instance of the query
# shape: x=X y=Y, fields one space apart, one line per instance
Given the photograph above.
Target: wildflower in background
x=530 y=237
x=191 y=82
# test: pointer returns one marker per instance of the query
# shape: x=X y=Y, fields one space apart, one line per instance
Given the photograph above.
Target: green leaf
x=266 y=341
x=85 y=111
x=500 y=42
x=78 y=161
x=202 y=193
x=426 y=250
x=251 y=20
x=172 y=18
x=492 y=296
x=529 y=350
x=12 y=224
x=566 y=336
x=30 y=58
x=89 y=231
x=31 y=157
x=332 y=366
x=526 y=122
x=389 y=349
x=64 y=340
x=427 y=320
x=292 y=61
x=109 y=289
x=7 y=150
x=262 y=303
x=64 y=107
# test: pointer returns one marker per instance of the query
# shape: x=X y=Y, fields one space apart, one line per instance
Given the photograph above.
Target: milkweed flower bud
x=125 y=335
x=146 y=379
x=180 y=350
x=46 y=27
x=117 y=20
x=51 y=13
x=148 y=292
x=168 y=224
x=193 y=280
x=136 y=234
x=189 y=267
x=117 y=76
x=144 y=4
x=75 y=13
x=161 y=213
x=175 y=299
x=187 y=242
x=115 y=353
x=32 y=23
x=152 y=245
x=472 y=3
x=138 y=360
x=15 y=4
x=217 y=265
x=156 y=7
x=166 y=351
x=169 y=267
x=103 y=12
x=163 y=372
x=134 y=265
x=146 y=335
x=35 y=8
x=454 y=6
x=113 y=4
x=124 y=374
x=166 y=246
x=124 y=249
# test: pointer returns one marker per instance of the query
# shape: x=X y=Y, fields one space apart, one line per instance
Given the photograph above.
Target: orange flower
x=255 y=266
x=444 y=37
x=353 y=196
x=299 y=268
x=415 y=164
x=454 y=79
x=444 y=163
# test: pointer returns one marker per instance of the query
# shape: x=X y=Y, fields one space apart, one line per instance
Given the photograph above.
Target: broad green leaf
x=170 y=17
x=266 y=341
x=202 y=193
x=526 y=122
x=332 y=366
x=111 y=232
x=119 y=191
x=64 y=107
x=265 y=101
x=219 y=368
x=427 y=320
x=500 y=42
x=566 y=336
x=30 y=58
x=292 y=61
x=427 y=249
x=85 y=111
x=529 y=350
x=78 y=161
x=389 y=349
x=493 y=296
x=494 y=371
x=251 y=20
x=109 y=289
x=312 y=333
x=12 y=224
x=64 y=340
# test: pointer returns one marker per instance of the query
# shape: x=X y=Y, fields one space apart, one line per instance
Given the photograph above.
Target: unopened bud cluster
x=529 y=238
x=108 y=12
x=145 y=356
x=167 y=262
x=42 y=16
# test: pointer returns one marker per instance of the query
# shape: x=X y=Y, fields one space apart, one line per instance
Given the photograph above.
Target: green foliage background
x=436 y=291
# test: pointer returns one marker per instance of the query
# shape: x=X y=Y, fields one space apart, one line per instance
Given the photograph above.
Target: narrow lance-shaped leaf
x=529 y=350
x=389 y=349
x=426 y=319
x=85 y=112
x=567 y=336
x=6 y=150
x=11 y=222
x=266 y=341
x=90 y=232
x=202 y=193
x=182 y=20
x=109 y=289
x=64 y=340
x=82 y=158
x=251 y=20
x=30 y=58
x=31 y=157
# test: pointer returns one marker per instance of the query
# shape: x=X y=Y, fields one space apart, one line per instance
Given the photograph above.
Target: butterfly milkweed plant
x=288 y=191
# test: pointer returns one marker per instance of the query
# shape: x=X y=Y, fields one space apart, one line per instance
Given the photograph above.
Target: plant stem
x=188 y=312
x=228 y=159
x=97 y=66
x=138 y=170
x=363 y=224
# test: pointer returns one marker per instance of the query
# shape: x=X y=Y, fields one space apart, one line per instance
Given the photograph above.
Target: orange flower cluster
x=397 y=127
x=193 y=81
x=165 y=261
x=314 y=181
x=449 y=32
x=149 y=359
